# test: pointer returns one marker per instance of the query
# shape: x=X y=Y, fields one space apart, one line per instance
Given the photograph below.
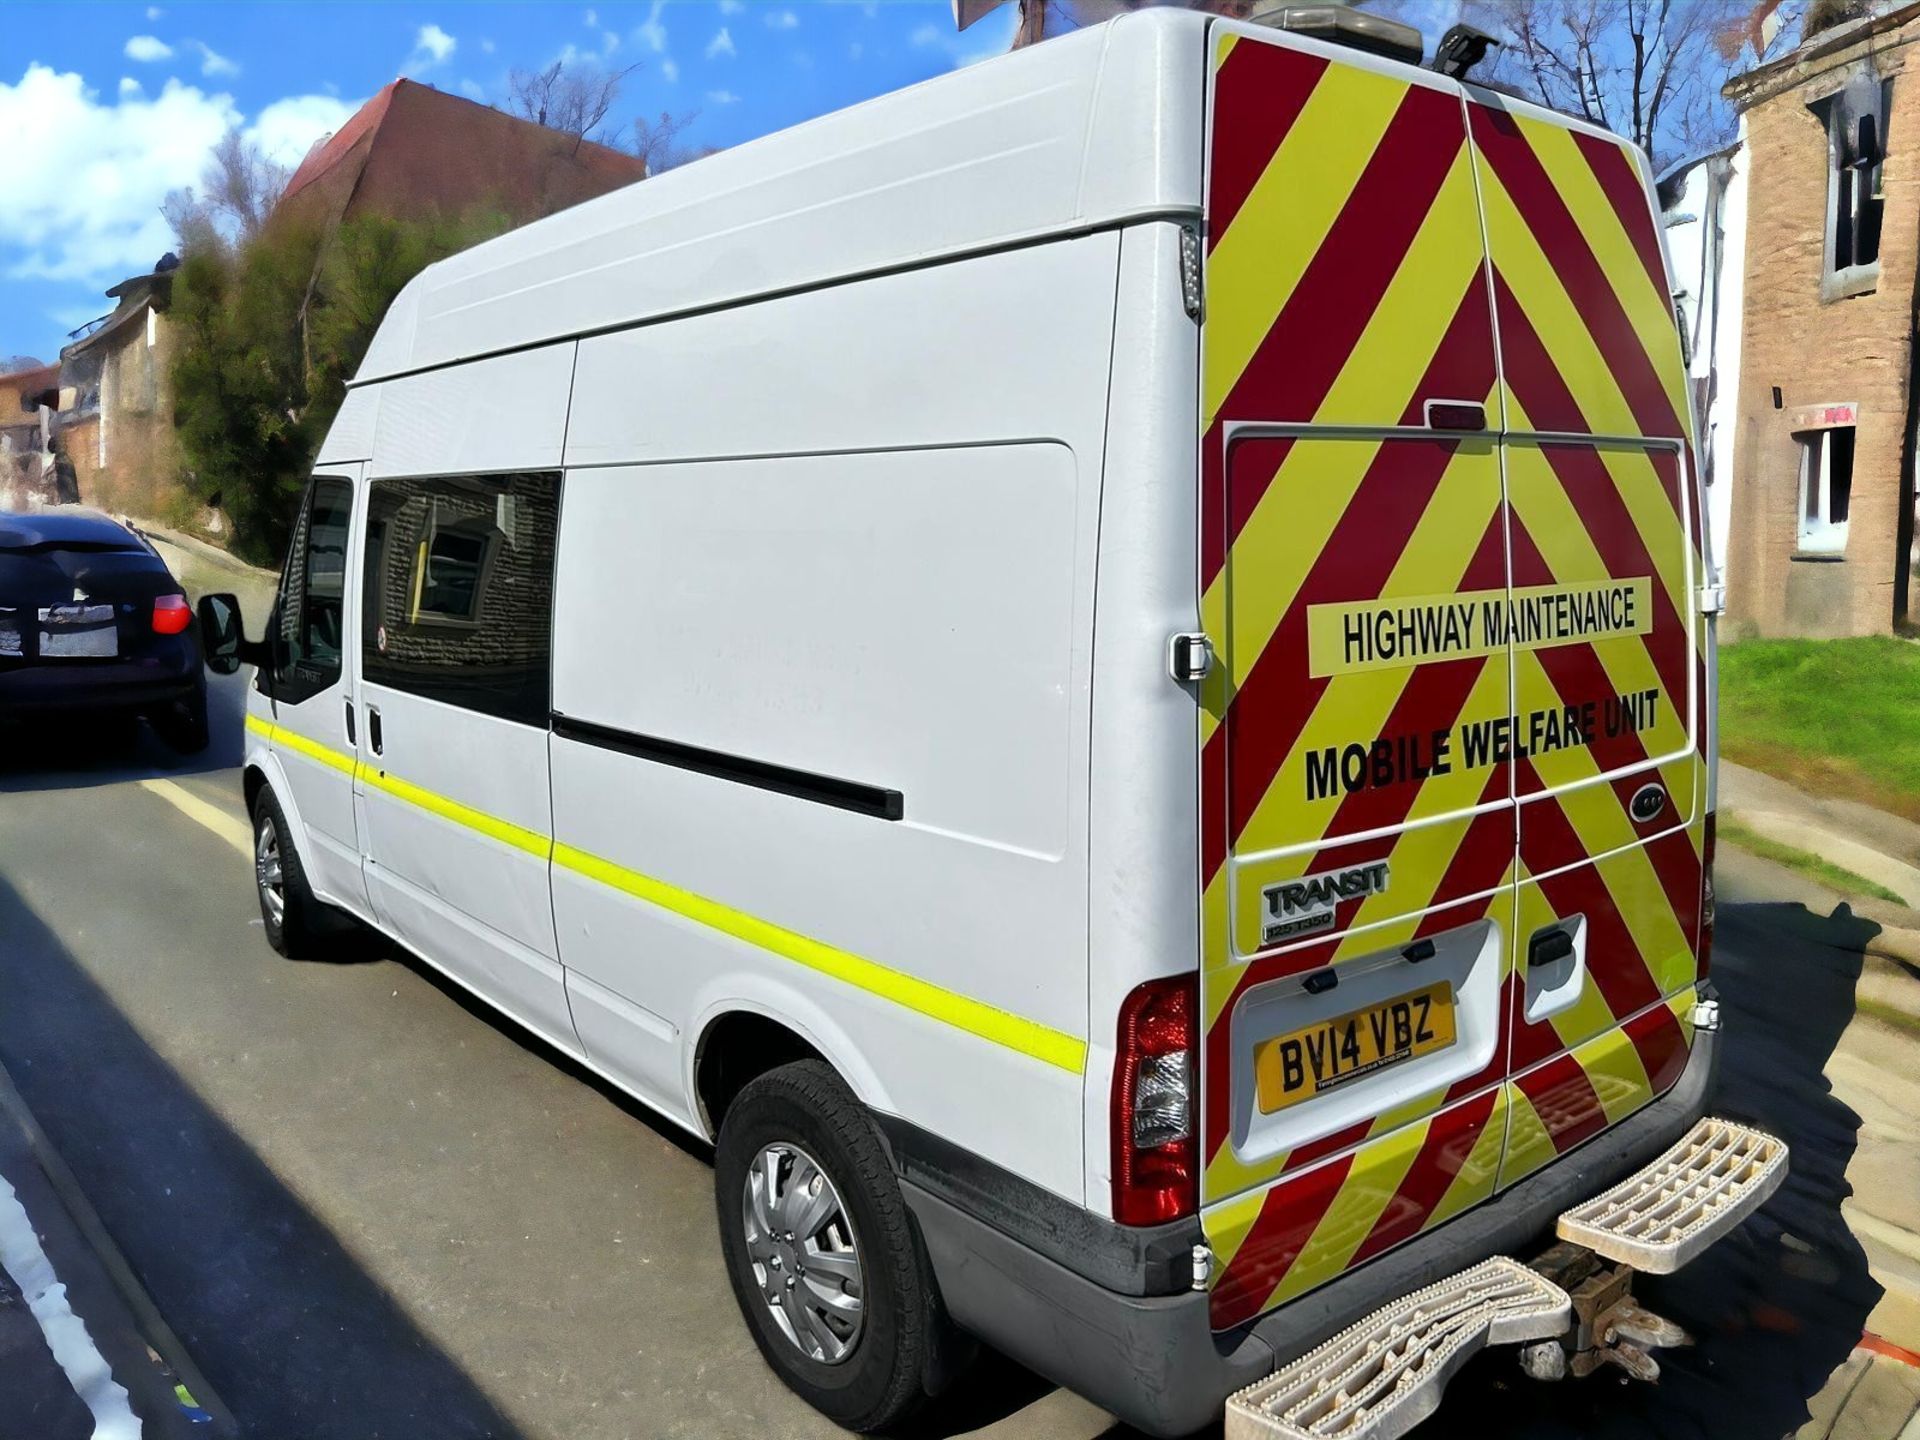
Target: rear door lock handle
x=373 y=729
x=1549 y=947
x=349 y=707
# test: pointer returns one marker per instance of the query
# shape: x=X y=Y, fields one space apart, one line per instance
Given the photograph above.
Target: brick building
x=1821 y=530
x=115 y=429
x=27 y=473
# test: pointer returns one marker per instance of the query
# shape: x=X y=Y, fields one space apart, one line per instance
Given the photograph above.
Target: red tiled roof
x=323 y=157
x=27 y=382
x=413 y=149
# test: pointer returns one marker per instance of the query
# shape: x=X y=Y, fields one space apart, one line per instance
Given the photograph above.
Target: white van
x=1097 y=669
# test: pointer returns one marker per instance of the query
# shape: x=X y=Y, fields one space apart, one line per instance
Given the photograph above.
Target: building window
x=1826 y=489
x=1855 y=121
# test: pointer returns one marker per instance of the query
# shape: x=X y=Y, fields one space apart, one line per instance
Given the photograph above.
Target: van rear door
x=1358 y=856
x=1609 y=685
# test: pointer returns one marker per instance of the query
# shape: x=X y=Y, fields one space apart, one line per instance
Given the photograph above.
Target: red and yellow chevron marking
x=1274 y=1244
x=1579 y=1093
x=1349 y=281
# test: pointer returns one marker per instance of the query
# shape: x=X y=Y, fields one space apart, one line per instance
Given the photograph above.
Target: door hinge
x=1713 y=599
x=1189 y=658
x=1190 y=291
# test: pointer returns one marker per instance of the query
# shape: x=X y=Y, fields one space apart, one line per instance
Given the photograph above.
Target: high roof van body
x=1099 y=668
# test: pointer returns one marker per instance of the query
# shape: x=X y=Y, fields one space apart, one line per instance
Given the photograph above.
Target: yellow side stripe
x=1029 y=1037
x=976 y=1017
x=505 y=831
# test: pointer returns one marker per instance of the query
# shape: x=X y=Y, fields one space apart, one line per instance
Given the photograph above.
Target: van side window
x=307 y=645
x=458 y=600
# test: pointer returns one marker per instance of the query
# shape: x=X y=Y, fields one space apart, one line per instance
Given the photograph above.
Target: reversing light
x=1344 y=25
x=1155 y=1148
x=171 y=614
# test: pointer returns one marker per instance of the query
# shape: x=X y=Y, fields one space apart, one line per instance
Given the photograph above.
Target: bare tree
x=571 y=98
x=238 y=189
x=12 y=363
x=657 y=142
x=1650 y=70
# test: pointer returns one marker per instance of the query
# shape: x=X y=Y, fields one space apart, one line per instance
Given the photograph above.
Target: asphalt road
x=371 y=1209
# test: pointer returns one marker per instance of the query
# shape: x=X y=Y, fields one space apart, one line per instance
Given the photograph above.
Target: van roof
x=1086 y=131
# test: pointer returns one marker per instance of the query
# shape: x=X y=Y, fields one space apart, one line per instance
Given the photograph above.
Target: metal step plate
x=1380 y=1377
x=1657 y=1220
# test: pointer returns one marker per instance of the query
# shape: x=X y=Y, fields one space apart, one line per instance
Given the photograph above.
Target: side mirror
x=221 y=636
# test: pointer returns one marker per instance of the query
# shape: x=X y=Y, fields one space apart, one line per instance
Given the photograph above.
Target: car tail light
x=171 y=614
x=1706 y=901
x=1155 y=1147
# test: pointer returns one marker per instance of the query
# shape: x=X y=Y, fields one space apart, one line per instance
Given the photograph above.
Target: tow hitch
x=1572 y=1310
x=1609 y=1326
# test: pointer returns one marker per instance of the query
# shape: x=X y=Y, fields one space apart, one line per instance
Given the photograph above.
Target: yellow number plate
x=1290 y=1068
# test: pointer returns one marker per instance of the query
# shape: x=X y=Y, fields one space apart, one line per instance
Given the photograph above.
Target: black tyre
x=824 y=1259
x=183 y=724
x=295 y=921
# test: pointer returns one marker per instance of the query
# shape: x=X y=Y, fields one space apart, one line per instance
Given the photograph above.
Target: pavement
x=83 y=1352
x=1874 y=1070
x=369 y=1207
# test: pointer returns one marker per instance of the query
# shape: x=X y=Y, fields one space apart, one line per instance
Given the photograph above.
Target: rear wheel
x=824 y=1259
x=288 y=909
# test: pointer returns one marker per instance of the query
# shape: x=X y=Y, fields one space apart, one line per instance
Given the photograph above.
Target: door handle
x=1548 y=947
x=373 y=729
x=349 y=708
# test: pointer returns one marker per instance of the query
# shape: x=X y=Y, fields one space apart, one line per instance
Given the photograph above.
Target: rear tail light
x=1706 y=901
x=1155 y=1147
x=171 y=614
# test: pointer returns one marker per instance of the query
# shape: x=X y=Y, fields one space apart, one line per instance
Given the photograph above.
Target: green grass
x=1887 y=1014
x=1831 y=716
x=1824 y=872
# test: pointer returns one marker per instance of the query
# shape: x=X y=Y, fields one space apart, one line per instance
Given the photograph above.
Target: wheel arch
x=745 y=1037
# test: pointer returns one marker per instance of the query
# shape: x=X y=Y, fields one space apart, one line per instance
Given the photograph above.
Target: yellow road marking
x=204 y=814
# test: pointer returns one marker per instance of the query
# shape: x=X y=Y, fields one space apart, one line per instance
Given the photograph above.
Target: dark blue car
x=93 y=623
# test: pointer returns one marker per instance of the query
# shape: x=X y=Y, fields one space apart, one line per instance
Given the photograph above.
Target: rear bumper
x=1154 y=1360
x=170 y=672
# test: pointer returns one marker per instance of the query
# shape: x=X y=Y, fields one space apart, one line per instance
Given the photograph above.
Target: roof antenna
x=1460 y=49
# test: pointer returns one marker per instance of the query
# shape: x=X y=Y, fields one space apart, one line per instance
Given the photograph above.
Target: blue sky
x=113 y=106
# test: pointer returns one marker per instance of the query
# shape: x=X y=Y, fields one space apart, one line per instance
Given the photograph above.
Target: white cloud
x=431 y=46
x=782 y=20
x=721 y=44
x=856 y=50
x=609 y=41
x=486 y=47
x=287 y=129
x=472 y=91
x=731 y=7
x=147 y=49
x=722 y=97
x=650 y=32
x=991 y=37
x=212 y=62
x=154 y=12
x=85 y=177
x=670 y=70
x=592 y=19
x=129 y=87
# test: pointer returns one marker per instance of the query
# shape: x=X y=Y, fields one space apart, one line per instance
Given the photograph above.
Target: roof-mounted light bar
x=1344 y=25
